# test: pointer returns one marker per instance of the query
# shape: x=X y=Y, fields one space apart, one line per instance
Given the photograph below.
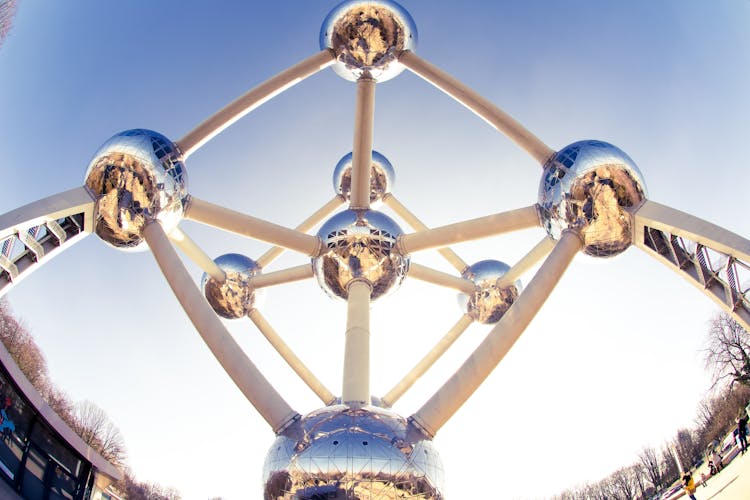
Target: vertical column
x=362 y=150
x=356 y=387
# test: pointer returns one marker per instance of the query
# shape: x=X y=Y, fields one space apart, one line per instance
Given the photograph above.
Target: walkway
x=732 y=483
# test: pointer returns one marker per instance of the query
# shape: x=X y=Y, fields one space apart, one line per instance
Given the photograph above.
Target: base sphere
x=352 y=453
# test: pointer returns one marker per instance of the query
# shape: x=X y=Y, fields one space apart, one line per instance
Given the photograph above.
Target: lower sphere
x=352 y=453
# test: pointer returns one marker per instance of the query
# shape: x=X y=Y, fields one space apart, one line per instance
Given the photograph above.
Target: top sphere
x=382 y=177
x=367 y=38
x=136 y=177
x=589 y=187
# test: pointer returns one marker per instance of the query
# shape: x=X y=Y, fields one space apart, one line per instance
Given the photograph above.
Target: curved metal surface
x=589 y=186
x=345 y=452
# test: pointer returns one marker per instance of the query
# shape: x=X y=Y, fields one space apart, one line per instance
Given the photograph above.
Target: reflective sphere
x=360 y=244
x=589 y=186
x=234 y=298
x=382 y=177
x=352 y=453
x=489 y=302
x=367 y=38
x=136 y=177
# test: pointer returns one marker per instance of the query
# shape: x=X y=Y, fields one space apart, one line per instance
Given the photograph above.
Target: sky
x=610 y=364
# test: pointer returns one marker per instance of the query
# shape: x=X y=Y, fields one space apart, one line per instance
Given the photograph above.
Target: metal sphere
x=489 y=301
x=590 y=186
x=382 y=177
x=360 y=245
x=346 y=452
x=233 y=298
x=367 y=38
x=136 y=177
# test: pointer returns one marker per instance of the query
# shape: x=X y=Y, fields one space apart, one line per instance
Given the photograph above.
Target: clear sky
x=612 y=363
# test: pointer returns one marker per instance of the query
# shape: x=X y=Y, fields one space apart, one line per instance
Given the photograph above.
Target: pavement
x=732 y=483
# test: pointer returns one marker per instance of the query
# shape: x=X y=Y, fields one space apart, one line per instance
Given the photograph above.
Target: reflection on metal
x=136 y=177
x=233 y=297
x=488 y=302
x=345 y=452
x=382 y=177
x=589 y=186
x=360 y=244
x=367 y=38
x=592 y=198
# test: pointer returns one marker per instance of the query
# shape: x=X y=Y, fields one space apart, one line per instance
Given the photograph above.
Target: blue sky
x=610 y=364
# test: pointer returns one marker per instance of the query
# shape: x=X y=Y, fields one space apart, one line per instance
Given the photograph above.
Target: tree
x=653 y=467
x=624 y=483
x=7 y=12
x=727 y=352
x=687 y=447
x=97 y=430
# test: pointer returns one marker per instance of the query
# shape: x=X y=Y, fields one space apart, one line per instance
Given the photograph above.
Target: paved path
x=732 y=483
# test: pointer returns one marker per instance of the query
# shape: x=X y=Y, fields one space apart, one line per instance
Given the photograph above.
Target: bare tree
x=624 y=483
x=653 y=467
x=97 y=430
x=7 y=12
x=687 y=447
x=22 y=348
x=727 y=352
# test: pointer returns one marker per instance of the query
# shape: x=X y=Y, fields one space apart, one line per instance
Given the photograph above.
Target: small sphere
x=345 y=452
x=136 y=177
x=589 y=187
x=489 y=301
x=382 y=177
x=367 y=38
x=360 y=245
x=234 y=298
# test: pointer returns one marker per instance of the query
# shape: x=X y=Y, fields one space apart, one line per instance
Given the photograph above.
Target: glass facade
x=35 y=460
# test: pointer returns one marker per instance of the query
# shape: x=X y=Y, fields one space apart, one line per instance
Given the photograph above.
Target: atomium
x=591 y=199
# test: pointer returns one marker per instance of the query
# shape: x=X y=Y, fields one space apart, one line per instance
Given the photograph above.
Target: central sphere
x=136 y=177
x=367 y=38
x=489 y=302
x=589 y=187
x=382 y=177
x=351 y=453
x=360 y=245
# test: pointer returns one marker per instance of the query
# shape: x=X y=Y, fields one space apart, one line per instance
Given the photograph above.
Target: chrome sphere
x=367 y=38
x=360 y=245
x=234 y=298
x=382 y=177
x=489 y=302
x=589 y=186
x=352 y=453
x=136 y=177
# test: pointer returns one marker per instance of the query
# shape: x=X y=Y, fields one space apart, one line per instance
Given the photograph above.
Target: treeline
x=89 y=421
x=727 y=357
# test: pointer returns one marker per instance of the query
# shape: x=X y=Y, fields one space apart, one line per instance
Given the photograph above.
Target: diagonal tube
x=247 y=225
x=362 y=150
x=252 y=99
x=540 y=250
x=416 y=224
x=238 y=366
x=194 y=253
x=435 y=277
x=479 y=105
x=490 y=225
x=454 y=393
x=292 y=360
x=289 y=275
x=425 y=363
x=304 y=227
